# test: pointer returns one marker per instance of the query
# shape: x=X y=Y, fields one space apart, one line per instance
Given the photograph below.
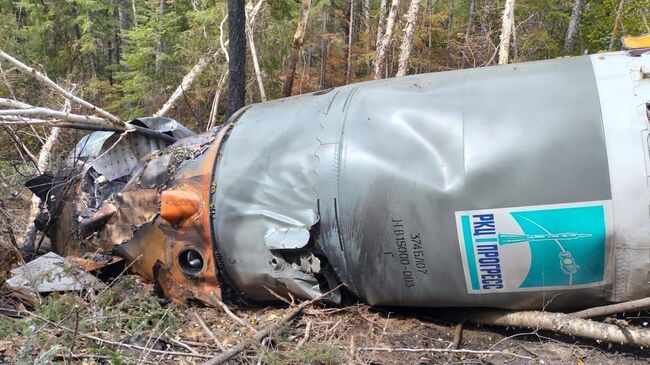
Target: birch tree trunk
x=135 y=14
x=298 y=38
x=215 y=102
x=617 y=22
x=574 y=23
x=251 y=45
x=450 y=26
x=468 y=32
x=323 y=47
x=44 y=158
x=365 y=10
x=507 y=23
x=350 y=29
x=161 y=42
x=185 y=84
x=385 y=40
x=407 y=41
x=380 y=23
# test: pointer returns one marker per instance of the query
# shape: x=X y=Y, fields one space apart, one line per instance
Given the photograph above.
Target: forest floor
x=131 y=319
x=126 y=323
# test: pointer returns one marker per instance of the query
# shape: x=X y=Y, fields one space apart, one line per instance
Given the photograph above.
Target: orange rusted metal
x=90 y=264
x=159 y=222
x=178 y=205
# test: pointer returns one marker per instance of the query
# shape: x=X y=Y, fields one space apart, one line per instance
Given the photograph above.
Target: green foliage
x=314 y=354
x=58 y=307
x=132 y=68
x=121 y=311
x=11 y=326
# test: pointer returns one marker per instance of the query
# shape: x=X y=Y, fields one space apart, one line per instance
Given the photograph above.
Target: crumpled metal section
x=131 y=209
x=144 y=225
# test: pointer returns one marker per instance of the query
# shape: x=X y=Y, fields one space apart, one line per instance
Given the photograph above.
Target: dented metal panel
x=406 y=154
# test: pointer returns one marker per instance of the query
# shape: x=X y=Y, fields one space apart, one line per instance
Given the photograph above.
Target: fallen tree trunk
x=188 y=80
x=565 y=324
x=25 y=116
x=13 y=104
x=16 y=120
x=90 y=127
x=112 y=120
x=44 y=158
x=608 y=310
x=50 y=113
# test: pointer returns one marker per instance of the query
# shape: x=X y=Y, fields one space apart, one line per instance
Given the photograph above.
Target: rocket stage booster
x=492 y=187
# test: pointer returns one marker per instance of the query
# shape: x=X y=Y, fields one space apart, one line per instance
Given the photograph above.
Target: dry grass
x=136 y=327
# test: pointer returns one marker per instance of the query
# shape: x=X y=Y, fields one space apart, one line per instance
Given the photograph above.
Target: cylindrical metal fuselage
x=502 y=186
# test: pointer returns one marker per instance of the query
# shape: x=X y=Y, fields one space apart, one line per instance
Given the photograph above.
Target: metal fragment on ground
x=52 y=273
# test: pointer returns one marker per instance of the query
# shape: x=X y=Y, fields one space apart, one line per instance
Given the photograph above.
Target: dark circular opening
x=190 y=261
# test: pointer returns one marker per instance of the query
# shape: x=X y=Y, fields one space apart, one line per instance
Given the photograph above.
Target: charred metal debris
x=148 y=202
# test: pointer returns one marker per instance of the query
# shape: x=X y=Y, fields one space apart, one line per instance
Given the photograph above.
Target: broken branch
x=207 y=330
x=13 y=104
x=50 y=113
x=476 y=352
x=607 y=310
x=113 y=120
x=565 y=324
x=260 y=335
x=305 y=338
x=24 y=115
x=232 y=315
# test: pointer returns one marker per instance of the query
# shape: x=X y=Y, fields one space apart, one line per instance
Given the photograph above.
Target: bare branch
x=607 y=310
x=49 y=113
x=250 y=17
x=477 y=352
x=260 y=335
x=565 y=324
x=14 y=104
x=113 y=120
x=215 y=101
x=221 y=41
x=255 y=10
x=20 y=145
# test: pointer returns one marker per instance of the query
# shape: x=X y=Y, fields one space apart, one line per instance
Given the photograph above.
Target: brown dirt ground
x=336 y=336
x=349 y=330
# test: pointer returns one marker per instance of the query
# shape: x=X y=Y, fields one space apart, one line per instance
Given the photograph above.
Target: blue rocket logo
x=505 y=239
x=567 y=245
x=567 y=263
